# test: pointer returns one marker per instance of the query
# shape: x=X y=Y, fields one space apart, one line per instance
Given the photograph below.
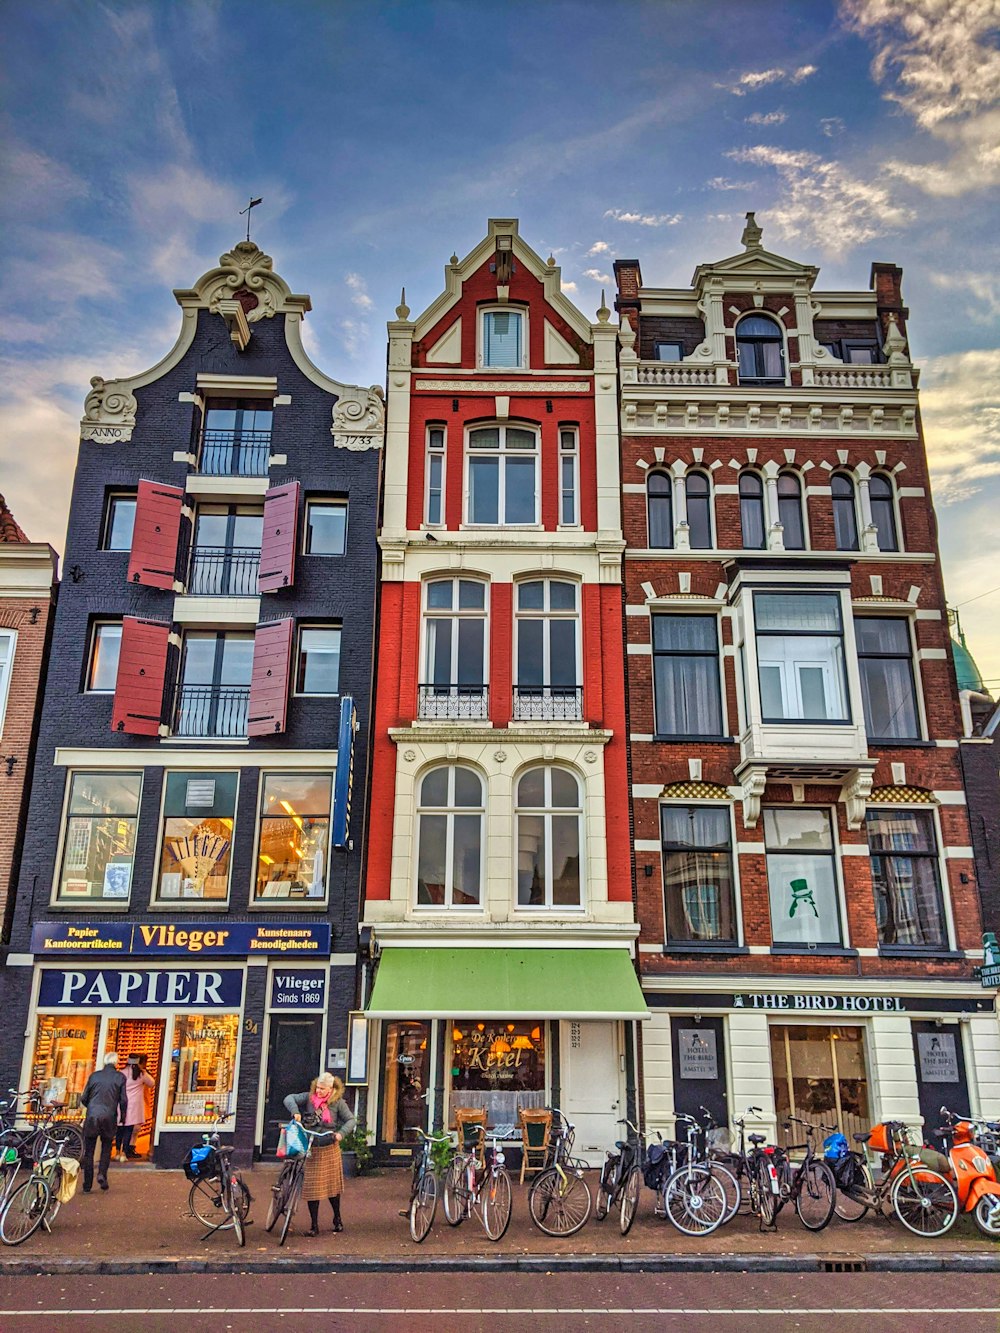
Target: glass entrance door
x=406 y=1069
x=819 y=1076
x=142 y=1037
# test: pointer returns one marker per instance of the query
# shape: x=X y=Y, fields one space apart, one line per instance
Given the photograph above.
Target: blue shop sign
x=111 y=988
x=343 y=784
x=298 y=990
x=181 y=938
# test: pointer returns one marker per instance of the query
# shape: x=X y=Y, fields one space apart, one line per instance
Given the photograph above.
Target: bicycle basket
x=880 y=1139
x=847 y=1171
x=835 y=1147
x=719 y=1139
x=201 y=1162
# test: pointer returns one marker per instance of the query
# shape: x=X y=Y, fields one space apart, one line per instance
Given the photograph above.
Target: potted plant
x=357 y=1150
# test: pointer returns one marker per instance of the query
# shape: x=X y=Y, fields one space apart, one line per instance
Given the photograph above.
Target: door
x=591 y=1077
x=406 y=1076
x=940 y=1074
x=699 y=1061
x=142 y=1038
x=294 y=1053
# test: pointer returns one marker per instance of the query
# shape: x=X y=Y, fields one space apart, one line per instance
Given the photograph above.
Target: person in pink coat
x=136 y=1083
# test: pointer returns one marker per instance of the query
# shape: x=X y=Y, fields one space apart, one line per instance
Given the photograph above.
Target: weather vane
x=249 y=208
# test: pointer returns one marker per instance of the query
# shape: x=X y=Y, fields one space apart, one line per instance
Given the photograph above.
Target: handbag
x=296 y=1142
x=283 y=1142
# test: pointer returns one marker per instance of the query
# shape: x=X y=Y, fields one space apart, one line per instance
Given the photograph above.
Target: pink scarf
x=322 y=1107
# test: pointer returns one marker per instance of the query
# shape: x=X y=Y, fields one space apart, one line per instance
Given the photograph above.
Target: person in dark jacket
x=106 y=1103
x=323 y=1107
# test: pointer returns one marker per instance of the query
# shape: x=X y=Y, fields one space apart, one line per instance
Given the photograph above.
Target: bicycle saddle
x=620 y=1145
x=862 y=1138
x=757 y=1138
x=224 y=1149
x=57 y=1106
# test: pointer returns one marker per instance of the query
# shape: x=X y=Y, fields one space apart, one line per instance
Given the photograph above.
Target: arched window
x=547 y=684
x=549 y=839
x=450 y=838
x=503 y=475
x=752 y=512
x=883 y=512
x=660 y=510
x=759 y=351
x=845 y=514
x=790 y=511
x=699 y=510
x=454 y=679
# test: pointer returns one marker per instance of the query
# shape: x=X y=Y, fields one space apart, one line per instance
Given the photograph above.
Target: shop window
x=698 y=490
x=326 y=527
x=547 y=629
x=119 y=520
x=698 y=886
x=845 y=513
x=906 y=877
x=65 y=1057
x=790 y=511
x=549 y=839
x=143 y=1038
x=800 y=657
x=760 y=351
x=99 y=837
x=660 y=511
x=8 y=640
x=198 y=812
x=883 y=512
x=819 y=1076
x=686 y=686
x=498 y=1065
x=105 y=649
x=293 y=848
x=752 y=521
x=503 y=476
x=202 y=1068
x=434 y=510
x=887 y=686
x=502 y=339
x=450 y=838
x=318 y=669
x=569 y=500
x=801 y=876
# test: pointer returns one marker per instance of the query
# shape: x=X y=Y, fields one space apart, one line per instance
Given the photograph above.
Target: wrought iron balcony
x=211 y=710
x=454 y=701
x=548 y=703
x=231 y=453
x=223 y=571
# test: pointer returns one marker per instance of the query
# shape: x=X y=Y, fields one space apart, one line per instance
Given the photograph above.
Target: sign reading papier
x=180 y=938
x=697 y=1053
x=110 y=988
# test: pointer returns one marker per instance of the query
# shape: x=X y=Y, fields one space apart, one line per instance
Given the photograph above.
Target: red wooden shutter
x=272 y=669
x=277 y=547
x=153 y=561
x=142 y=671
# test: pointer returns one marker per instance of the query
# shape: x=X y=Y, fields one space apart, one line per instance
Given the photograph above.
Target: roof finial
x=402 y=310
x=750 y=240
x=551 y=261
x=603 y=313
x=249 y=210
x=454 y=258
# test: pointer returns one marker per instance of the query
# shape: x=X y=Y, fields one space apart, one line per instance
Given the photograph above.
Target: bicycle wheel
x=767 y=1200
x=279 y=1192
x=233 y=1202
x=454 y=1193
x=606 y=1189
x=423 y=1206
x=730 y=1187
x=291 y=1203
x=66 y=1138
x=816 y=1195
x=497 y=1203
x=243 y=1197
x=630 y=1200
x=694 y=1201
x=924 y=1202
x=24 y=1211
x=559 y=1207
x=205 y=1201
x=852 y=1205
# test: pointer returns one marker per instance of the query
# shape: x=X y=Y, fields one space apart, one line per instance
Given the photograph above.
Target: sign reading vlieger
x=180 y=938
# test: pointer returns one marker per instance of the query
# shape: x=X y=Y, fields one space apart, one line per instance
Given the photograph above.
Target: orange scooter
x=975 y=1178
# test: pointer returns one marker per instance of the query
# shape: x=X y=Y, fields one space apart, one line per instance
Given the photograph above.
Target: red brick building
x=805 y=878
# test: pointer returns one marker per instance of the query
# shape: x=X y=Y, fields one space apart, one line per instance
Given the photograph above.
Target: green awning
x=506 y=983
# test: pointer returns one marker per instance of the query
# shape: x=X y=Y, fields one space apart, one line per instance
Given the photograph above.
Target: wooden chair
x=536 y=1126
x=468 y=1121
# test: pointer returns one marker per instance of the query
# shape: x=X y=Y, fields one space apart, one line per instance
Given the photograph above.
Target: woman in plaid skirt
x=323 y=1107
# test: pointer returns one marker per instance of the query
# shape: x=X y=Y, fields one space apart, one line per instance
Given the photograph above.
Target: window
x=883 y=512
x=546 y=685
x=790 y=511
x=549 y=818
x=686 y=676
x=105 y=646
x=861 y=353
x=118 y=523
x=201 y=1084
x=669 y=351
x=660 y=510
x=906 y=878
x=752 y=519
x=225 y=555
x=7 y=641
x=198 y=813
x=800 y=657
x=845 y=514
x=214 y=692
x=568 y=478
x=318 y=670
x=434 y=514
x=236 y=438
x=699 y=891
x=454 y=649
x=503 y=340
x=801 y=878
x=759 y=351
x=503 y=468
x=699 y=510
x=450 y=838
x=99 y=840
x=819 y=1076
x=326 y=527
x=887 y=679
x=293 y=846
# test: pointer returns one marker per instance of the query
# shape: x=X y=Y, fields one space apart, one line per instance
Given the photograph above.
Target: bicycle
x=559 y=1199
x=758 y=1169
x=286 y=1192
x=470 y=1187
x=218 y=1198
x=424 y=1189
x=621 y=1179
x=47 y=1131
x=810 y=1186
x=694 y=1197
x=922 y=1198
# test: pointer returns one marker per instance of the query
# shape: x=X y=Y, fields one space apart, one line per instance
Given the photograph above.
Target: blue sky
x=382 y=136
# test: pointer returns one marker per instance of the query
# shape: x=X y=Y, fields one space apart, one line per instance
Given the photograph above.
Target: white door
x=591 y=1078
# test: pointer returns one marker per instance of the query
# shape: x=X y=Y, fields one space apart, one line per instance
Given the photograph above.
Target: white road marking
x=503 y=1310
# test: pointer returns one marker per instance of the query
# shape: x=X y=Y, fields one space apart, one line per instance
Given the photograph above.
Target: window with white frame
x=883 y=511
x=801 y=876
x=686 y=689
x=569 y=477
x=450 y=838
x=790 y=511
x=800 y=657
x=760 y=350
x=752 y=521
x=454 y=677
x=549 y=839
x=7 y=641
x=502 y=339
x=887 y=687
x=503 y=476
x=845 y=512
x=698 y=490
x=699 y=889
x=660 y=511
x=906 y=879
x=434 y=507
x=547 y=622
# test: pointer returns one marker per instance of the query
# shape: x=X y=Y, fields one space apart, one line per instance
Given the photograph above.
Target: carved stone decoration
x=753 y=783
x=108 y=412
x=409 y=755
x=245 y=266
x=855 y=794
x=359 y=419
x=499 y=757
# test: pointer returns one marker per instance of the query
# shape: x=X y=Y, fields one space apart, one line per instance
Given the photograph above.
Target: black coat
x=342 y=1119
x=105 y=1100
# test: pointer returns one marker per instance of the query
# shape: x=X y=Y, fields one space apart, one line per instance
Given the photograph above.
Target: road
x=419 y=1302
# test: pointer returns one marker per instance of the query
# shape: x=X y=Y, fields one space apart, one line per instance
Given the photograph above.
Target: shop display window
x=99 y=839
x=65 y=1057
x=294 y=836
x=198 y=810
x=498 y=1065
x=819 y=1076
x=202 y=1068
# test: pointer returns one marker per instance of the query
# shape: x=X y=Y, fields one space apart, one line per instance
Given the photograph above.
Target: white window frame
x=453 y=613
x=314 y=694
x=838 y=877
x=547 y=813
x=569 y=456
x=9 y=637
x=735 y=856
x=449 y=811
x=501 y=453
x=434 y=453
x=185 y=906
x=484 y=311
x=848 y=646
x=548 y=615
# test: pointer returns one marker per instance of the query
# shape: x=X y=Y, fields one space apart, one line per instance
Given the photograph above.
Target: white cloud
x=36 y=185
x=983 y=289
x=570 y=288
x=62 y=267
x=767 y=118
x=960 y=407
x=644 y=219
x=359 y=291
x=973 y=165
x=762 y=78
x=596 y=275
x=724 y=183
x=832 y=126
x=599 y=248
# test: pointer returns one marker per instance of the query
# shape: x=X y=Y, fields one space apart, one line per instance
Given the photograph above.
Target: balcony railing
x=230 y=453
x=223 y=571
x=454 y=701
x=210 y=710
x=548 y=703
x=674 y=373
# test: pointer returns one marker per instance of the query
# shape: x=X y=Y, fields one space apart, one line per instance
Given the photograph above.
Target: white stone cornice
x=527 y=733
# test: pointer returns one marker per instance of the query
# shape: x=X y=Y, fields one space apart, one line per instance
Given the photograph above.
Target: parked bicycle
x=473 y=1186
x=559 y=1199
x=286 y=1192
x=922 y=1198
x=63 y=1135
x=424 y=1189
x=809 y=1185
x=34 y=1203
x=218 y=1198
x=755 y=1171
x=621 y=1178
x=701 y=1193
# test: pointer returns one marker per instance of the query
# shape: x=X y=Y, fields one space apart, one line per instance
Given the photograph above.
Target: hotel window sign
x=699 y=1057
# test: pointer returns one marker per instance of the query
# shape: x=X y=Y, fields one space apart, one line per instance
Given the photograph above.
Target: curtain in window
x=845 y=514
x=659 y=489
x=790 y=511
x=883 y=514
x=686 y=676
x=699 y=511
x=908 y=904
x=502 y=338
x=697 y=870
x=887 y=678
x=752 y=512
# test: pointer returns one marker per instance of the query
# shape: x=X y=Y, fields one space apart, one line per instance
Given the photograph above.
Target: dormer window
x=760 y=351
x=502 y=339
